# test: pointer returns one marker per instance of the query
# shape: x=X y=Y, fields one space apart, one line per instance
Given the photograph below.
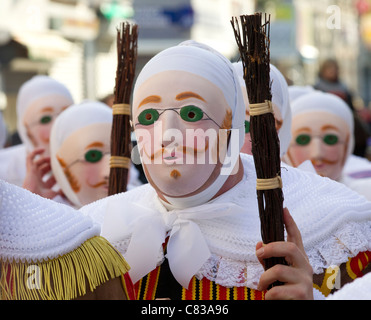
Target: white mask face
x=39 y=118
x=177 y=116
x=321 y=137
x=84 y=157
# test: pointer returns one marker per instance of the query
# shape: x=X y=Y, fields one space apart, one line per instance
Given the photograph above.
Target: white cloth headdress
x=69 y=121
x=32 y=90
x=199 y=59
x=318 y=101
x=297 y=91
x=280 y=98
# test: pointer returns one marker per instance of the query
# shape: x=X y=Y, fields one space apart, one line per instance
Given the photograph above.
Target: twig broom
x=253 y=43
x=127 y=40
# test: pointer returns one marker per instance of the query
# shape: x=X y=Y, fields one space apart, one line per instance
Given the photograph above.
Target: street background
x=74 y=41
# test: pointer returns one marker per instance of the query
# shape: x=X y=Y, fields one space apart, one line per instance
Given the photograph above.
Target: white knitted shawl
x=35 y=229
x=334 y=221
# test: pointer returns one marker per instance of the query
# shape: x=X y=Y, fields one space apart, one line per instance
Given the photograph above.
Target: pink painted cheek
x=299 y=155
x=37 y=134
x=334 y=153
x=195 y=139
x=92 y=174
x=44 y=133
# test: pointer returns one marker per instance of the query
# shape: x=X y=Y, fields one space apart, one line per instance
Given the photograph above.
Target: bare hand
x=297 y=276
x=36 y=170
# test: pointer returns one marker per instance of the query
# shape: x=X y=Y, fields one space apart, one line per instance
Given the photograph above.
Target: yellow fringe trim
x=64 y=278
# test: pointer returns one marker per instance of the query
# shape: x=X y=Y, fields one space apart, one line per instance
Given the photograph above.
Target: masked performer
x=80 y=151
x=193 y=232
x=322 y=132
x=39 y=101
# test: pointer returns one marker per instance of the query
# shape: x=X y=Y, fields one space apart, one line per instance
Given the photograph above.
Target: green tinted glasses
x=46 y=118
x=304 y=139
x=187 y=113
x=247 y=126
x=91 y=156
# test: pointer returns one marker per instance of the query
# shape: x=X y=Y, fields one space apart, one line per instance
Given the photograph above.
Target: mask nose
x=172 y=130
x=316 y=148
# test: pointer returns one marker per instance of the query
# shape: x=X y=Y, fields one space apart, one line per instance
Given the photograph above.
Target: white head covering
x=3 y=131
x=280 y=98
x=31 y=90
x=199 y=59
x=297 y=91
x=325 y=102
x=69 y=121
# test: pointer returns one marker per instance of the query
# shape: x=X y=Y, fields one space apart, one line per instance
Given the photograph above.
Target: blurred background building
x=305 y=33
x=74 y=41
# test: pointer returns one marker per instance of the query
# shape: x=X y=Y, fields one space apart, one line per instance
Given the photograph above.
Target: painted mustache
x=99 y=184
x=323 y=161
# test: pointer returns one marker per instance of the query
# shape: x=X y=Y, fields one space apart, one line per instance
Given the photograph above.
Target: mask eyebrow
x=303 y=129
x=150 y=99
x=95 y=144
x=329 y=126
x=188 y=94
x=47 y=109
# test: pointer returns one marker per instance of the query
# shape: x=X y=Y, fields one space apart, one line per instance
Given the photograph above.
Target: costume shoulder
x=54 y=242
x=334 y=221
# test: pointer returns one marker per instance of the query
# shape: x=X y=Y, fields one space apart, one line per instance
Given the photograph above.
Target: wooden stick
x=252 y=38
x=127 y=40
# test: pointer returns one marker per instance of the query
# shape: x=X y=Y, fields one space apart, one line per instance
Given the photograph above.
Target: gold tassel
x=64 y=278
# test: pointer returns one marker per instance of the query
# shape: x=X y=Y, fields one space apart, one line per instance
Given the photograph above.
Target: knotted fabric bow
x=187 y=249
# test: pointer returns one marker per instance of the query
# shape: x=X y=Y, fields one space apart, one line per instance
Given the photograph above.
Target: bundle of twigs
x=127 y=42
x=253 y=43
